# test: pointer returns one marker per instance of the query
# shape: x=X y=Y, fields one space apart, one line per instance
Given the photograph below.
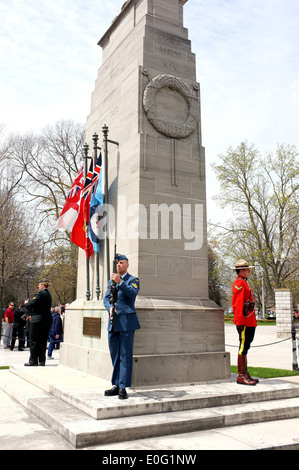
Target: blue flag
x=96 y=201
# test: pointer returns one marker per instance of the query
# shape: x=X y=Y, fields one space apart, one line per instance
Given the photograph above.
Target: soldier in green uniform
x=41 y=319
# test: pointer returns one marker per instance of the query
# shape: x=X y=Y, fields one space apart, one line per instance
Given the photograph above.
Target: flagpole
x=105 y=142
x=95 y=138
x=85 y=149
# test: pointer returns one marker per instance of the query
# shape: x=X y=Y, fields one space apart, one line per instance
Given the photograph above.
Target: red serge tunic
x=242 y=293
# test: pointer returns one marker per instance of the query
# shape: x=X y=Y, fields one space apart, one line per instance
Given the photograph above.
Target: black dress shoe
x=113 y=391
x=30 y=364
x=122 y=394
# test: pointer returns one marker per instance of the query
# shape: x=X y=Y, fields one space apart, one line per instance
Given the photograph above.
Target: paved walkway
x=266 y=351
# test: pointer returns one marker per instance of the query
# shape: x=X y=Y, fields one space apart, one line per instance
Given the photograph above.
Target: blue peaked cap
x=119 y=257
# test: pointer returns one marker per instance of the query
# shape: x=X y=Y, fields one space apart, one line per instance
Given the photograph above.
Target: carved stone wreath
x=169 y=128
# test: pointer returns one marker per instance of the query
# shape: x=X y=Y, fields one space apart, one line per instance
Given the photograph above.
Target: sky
x=247 y=64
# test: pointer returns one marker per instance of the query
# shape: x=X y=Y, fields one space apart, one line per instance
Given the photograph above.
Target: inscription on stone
x=170 y=67
x=170 y=52
x=92 y=327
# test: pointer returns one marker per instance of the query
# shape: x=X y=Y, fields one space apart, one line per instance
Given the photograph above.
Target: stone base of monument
x=85 y=345
x=180 y=368
x=180 y=341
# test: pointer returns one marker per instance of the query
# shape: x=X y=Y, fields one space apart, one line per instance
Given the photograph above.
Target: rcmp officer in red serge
x=121 y=332
x=244 y=319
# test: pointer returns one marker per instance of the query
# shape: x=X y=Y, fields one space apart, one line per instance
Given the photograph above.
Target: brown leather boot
x=247 y=373
x=242 y=378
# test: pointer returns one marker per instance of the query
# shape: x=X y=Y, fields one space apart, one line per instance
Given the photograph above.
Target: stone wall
x=284 y=312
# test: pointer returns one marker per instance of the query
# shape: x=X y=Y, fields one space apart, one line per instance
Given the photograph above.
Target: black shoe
x=42 y=364
x=113 y=391
x=122 y=394
x=32 y=364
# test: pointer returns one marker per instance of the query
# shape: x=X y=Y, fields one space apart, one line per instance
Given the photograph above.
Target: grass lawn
x=266 y=373
x=230 y=320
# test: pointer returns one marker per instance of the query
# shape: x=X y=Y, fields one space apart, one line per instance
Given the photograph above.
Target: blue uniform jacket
x=126 y=318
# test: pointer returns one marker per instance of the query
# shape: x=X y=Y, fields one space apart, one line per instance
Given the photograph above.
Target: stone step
x=82 y=430
x=86 y=392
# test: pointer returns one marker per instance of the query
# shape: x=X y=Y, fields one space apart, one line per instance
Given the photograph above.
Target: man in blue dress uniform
x=121 y=331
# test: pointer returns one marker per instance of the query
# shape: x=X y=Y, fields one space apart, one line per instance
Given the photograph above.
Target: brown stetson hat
x=242 y=264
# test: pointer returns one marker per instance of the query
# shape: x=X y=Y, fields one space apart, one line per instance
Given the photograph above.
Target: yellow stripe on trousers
x=242 y=341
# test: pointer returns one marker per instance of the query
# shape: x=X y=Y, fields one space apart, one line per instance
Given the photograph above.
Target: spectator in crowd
x=18 y=328
x=8 y=320
x=55 y=332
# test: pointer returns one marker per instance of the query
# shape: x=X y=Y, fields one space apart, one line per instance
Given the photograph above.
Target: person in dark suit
x=18 y=328
x=40 y=323
x=121 y=332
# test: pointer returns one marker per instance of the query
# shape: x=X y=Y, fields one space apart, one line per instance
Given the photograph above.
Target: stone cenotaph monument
x=147 y=95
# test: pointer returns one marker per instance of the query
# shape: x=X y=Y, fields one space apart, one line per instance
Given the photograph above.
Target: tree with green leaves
x=262 y=192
